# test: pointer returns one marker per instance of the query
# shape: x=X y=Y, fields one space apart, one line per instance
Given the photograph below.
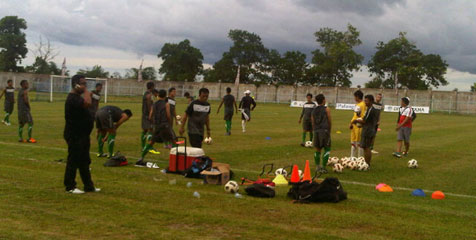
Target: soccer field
x=139 y=203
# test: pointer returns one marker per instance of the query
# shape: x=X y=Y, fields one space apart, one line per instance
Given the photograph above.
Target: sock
x=361 y=152
x=243 y=125
x=317 y=158
x=30 y=129
x=145 y=150
x=110 y=141
x=148 y=136
x=100 y=143
x=303 y=137
x=142 y=139
x=311 y=136
x=325 y=158
x=20 y=132
x=228 y=126
x=352 y=150
x=7 y=117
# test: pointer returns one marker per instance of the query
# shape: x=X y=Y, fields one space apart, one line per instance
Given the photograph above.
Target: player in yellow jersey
x=356 y=132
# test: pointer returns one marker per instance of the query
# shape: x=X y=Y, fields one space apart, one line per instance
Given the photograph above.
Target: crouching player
x=321 y=124
x=108 y=120
x=369 y=128
x=162 y=118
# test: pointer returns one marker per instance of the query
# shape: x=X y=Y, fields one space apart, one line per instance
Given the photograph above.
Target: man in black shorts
x=78 y=127
x=9 y=93
x=108 y=120
x=171 y=101
x=379 y=107
x=230 y=108
x=245 y=105
x=321 y=124
x=147 y=102
x=305 y=118
x=198 y=115
x=24 y=115
x=369 y=128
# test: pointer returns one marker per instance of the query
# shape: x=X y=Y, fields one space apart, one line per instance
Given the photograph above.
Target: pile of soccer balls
x=339 y=164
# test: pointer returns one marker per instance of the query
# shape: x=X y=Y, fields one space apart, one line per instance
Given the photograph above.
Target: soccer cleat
x=153 y=151
x=405 y=154
x=374 y=152
x=323 y=171
x=95 y=190
x=110 y=156
x=397 y=154
x=31 y=140
x=75 y=191
x=8 y=124
x=22 y=141
x=302 y=145
x=141 y=163
x=101 y=155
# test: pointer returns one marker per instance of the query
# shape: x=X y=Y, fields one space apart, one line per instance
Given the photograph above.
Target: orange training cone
x=295 y=175
x=307 y=173
x=438 y=195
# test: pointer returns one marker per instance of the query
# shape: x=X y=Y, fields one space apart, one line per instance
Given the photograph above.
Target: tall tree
x=292 y=68
x=40 y=66
x=473 y=87
x=45 y=50
x=223 y=70
x=182 y=62
x=95 y=72
x=12 y=43
x=334 y=63
x=148 y=73
x=399 y=63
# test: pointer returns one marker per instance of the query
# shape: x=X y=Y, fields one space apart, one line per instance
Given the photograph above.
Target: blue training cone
x=418 y=193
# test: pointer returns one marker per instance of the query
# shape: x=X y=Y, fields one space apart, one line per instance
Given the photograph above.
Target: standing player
x=162 y=121
x=230 y=108
x=377 y=106
x=188 y=97
x=171 y=101
x=78 y=127
x=24 y=115
x=356 y=132
x=245 y=106
x=108 y=120
x=369 y=129
x=404 y=127
x=147 y=102
x=321 y=124
x=95 y=98
x=306 y=116
x=9 y=93
x=198 y=113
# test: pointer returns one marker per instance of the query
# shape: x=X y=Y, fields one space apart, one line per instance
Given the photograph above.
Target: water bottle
x=237 y=195
x=196 y=194
x=189 y=184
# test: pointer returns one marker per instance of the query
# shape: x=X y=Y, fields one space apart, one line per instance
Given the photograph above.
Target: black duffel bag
x=330 y=190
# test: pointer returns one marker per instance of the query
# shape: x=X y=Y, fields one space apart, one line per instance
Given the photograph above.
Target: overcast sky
x=117 y=34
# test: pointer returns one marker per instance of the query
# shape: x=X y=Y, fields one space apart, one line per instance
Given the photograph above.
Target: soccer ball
x=358 y=124
x=208 y=140
x=232 y=187
x=413 y=163
x=338 y=168
x=281 y=171
x=360 y=159
x=333 y=161
x=300 y=174
x=353 y=165
x=308 y=144
x=178 y=117
x=363 y=166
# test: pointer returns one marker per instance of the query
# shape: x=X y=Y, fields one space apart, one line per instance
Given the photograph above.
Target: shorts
x=355 y=133
x=307 y=125
x=8 y=107
x=322 y=139
x=248 y=112
x=366 y=141
x=24 y=118
x=146 y=123
x=104 y=120
x=228 y=115
x=163 y=134
x=404 y=134
x=195 y=140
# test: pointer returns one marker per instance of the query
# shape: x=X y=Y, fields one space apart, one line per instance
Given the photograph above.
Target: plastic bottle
x=237 y=195
x=196 y=194
x=189 y=184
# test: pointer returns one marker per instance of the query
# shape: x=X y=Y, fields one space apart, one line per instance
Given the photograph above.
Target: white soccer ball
x=413 y=163
x=333 y=161
x=281 y=171
x=301 y=174
x=353 y=165
x=363 y=166
x=308 y=144
x=208 y=140
x=178 y=117
x=358 y=124
x=232 y=187
x=338 y=168
x=361 y=159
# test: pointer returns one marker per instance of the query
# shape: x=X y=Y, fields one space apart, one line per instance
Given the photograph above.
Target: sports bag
x=330 y=190
x=260 y=190
x=118 y=160
x=198 y=165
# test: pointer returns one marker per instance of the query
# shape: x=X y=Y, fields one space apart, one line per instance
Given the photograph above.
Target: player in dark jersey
x=245 y=105
x=379 y=107
x=305 y=118
x=108 y=120
x=188 y=97
x=161 y=117
x=9 y=93
x=321 y=124
x=369 y=128
x=147 y=102
x=171 y=100
x=198 y=115
x=230 y=108
x=24 y=115
x=95 y=98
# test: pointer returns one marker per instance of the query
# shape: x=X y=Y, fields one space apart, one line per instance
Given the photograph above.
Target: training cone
x=418 y=193
x=438 y=195
x=280 y=180
x=385 y=188
x=295 y=175
x=307 y=173
x=379 y=186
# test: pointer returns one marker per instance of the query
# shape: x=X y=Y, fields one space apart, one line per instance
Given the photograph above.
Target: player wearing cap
x=245 y=107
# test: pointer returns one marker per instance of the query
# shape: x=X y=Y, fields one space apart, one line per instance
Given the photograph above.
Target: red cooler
x=181 y=158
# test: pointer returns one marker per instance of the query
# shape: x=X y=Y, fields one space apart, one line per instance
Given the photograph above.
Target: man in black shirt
x=9 y=93
x=147 y=102
x=198 y=113
x=78 y=127
x=321 y=125
x=369 y=128
x=379 y=107
x=245 y=106
x=108 y=120
x=230 y=108
x=305 y=118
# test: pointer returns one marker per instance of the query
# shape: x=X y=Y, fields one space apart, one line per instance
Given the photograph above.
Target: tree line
x=397 y=63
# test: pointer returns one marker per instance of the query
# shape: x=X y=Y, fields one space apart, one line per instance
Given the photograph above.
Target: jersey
x=321 y=121
x=78 y=120
x=246 y=102
x=9 y=94
x=172 y=104
x=228 y=101
x=197 y=113
x=113 y=111
x=146 y=104
x=307 y=110
x=378 y=107
x=95 y=97
x=359 y=110
x=371 y=117
x=160 y=113
x=406 y=112
x=22 y=104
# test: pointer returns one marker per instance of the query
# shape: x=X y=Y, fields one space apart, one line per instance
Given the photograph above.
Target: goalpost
x=59 y=87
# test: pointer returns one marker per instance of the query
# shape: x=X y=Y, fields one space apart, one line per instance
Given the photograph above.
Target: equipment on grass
x=413 y=163
x=260 y=190
x=118 y=160
x=337 y=168
x=363 y=166
x=418 y=193
x=330 y=190
x=280 y=180
x=281 y=171
x=439 y=195
x=295 y=175
x=333 y=161
x=359 y=124
x=353 y=165
x=308 y=144
x=180 y=158
x=385 y=188
x=208 y=140
x=265 y=181
x=307 y=173
x=199 y=164
x=300 y=174
x=232 y=187
x=380 y=185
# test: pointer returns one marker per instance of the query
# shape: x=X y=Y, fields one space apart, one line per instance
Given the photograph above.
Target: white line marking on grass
x=241 y=170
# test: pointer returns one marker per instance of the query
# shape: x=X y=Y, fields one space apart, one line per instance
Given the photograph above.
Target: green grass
x=138 y=203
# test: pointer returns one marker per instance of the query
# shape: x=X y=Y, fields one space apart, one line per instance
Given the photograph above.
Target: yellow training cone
x=280 y=180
